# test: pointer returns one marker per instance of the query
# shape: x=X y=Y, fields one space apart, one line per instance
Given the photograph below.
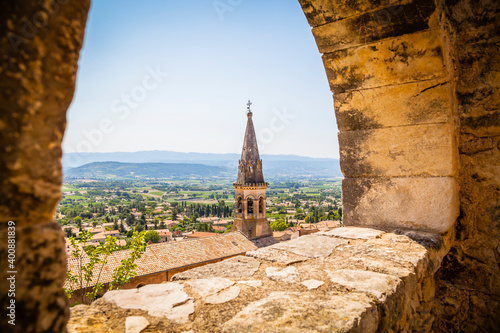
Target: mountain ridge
x=273 y=165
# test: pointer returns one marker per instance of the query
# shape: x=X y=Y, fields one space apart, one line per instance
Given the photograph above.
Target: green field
x=74 y=197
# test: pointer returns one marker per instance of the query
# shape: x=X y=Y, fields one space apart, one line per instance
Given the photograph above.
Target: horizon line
x=190 y=152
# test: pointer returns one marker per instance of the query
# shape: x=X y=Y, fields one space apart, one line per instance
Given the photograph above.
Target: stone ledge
x=367 y=280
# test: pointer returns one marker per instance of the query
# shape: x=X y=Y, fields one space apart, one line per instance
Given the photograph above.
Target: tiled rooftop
x=166 y=256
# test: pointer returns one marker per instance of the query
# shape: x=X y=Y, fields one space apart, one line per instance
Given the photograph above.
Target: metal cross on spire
x=248 y=106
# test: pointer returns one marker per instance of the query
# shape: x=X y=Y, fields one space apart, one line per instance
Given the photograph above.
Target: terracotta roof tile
x=166 y=256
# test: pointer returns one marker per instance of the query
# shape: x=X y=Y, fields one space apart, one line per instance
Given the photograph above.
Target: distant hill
x=118 y=170
x=274 y=166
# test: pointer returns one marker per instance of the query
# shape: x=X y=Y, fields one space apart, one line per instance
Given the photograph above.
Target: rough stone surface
x=312 y=284
x=251 y=283
x=287 y=311
x=288 y=274
x=375 y=25
x=37 y=82
x=232 y=268
x=311 y=246
x=205 y=287
x=399 y=151
x=401 y=203
x=224 y=296
x=275 y=255
x=377 y=284
x=403 y=59
x=40 y=264
x=418 y=103
x=468 y=284
x=161 y=300
x=320 y=12
x=135 y=324
x=354 y=233
x=389 y=47
x=383 y=284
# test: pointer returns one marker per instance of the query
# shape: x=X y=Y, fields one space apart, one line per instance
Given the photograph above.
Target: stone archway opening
x=416 y=100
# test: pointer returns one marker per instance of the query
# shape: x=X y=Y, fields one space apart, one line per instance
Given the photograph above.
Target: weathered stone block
x=274 y=255
x=166 y=300
x=377 y=284
x=286 y=311
x=37 y=81
x=354 y=233
x=427 y=204
x=232 y=268
x=423 y=150
x=40 y=263
x=319 y=12
x=394 y=61
x=311 y=246
x=423 y=102
x=387 y=22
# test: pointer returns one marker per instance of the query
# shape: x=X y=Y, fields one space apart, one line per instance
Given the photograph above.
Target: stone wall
x=415 y=87
x=39 y=49
x=387 y=65
x=468 y=284
x=345 y=280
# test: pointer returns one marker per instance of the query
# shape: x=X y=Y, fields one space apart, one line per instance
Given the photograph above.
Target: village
x=179 y=211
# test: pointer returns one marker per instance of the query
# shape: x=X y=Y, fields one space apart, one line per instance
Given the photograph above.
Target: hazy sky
x=176 y=75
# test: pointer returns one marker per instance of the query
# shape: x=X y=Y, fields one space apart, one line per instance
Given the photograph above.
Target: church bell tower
x=250 y=188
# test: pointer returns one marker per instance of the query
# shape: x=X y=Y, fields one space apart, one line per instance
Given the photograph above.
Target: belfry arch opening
x=250 y=205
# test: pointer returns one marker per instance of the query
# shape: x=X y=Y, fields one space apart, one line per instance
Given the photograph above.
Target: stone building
x=250 y=188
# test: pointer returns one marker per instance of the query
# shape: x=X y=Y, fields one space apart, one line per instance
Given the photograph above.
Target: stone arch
x=250 y=207
x=262 y=204
x=418 y=73
x=239 y=205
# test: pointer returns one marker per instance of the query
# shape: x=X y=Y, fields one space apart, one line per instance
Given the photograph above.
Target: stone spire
x=250 y=164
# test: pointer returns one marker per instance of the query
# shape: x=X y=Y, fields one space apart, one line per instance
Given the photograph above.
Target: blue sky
x=176 y=75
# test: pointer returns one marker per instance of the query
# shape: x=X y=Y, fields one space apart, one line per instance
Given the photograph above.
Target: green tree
x=278 y=225
x=68 y=232
x=126 y=271
x=93 y=259
x=152 y=236
x=78 y=221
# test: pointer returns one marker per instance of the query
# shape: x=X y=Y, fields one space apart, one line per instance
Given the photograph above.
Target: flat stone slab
x=312 y=246
x=160 y=300
x=312 y=284
x=224 y=296
x=275 y=255
x=252 y=283
x=379 y=285
x=288 y=274
x=232 y=268
x=399 y=249
x=382 y=265
x=287 y=311
x=354 y=233
x=135 y=324
x=206 y=287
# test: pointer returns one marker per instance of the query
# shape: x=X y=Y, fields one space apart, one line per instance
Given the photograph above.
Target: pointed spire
x=250 y=165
